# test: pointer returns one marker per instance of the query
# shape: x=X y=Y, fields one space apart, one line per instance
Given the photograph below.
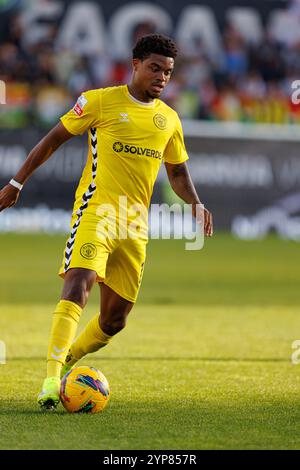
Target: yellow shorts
x=118 y=263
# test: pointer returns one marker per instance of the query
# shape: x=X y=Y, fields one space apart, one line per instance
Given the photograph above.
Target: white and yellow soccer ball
x=84 y=389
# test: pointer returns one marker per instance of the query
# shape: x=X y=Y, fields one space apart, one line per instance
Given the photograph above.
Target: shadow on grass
x=172 y=358
x=34 y=411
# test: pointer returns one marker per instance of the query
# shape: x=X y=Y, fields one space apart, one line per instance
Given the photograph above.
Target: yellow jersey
x=128 y=141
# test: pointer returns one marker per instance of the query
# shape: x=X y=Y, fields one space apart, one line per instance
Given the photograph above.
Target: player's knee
x=78 y=294
x=113 y=326
x=77 y=287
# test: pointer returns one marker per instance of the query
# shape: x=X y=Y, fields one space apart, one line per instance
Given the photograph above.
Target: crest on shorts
x=88 y=251
x=160 y=121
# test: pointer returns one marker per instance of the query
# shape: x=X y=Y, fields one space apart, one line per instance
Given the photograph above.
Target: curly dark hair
x=154 y=44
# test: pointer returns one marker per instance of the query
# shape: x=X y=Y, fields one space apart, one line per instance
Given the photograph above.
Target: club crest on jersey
x=80 y=103
x=160 y=121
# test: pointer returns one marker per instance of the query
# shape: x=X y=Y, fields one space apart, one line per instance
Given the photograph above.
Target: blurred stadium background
x=235 y=304
x=232 y=87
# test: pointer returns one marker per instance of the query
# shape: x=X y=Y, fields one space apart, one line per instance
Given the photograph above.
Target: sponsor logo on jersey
x=160 y=121
x=88 y=251
x=80 y=103
x=118 y=147
x=133 y=149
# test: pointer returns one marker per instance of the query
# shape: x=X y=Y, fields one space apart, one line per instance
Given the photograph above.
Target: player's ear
x=135 y=63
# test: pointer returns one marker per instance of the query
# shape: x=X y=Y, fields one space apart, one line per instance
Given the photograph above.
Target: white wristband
x=17 y=185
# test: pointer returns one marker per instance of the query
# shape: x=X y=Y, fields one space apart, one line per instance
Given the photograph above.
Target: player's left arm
x=182 y=184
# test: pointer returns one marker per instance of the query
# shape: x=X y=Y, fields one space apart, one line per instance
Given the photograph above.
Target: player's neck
x=138 y=94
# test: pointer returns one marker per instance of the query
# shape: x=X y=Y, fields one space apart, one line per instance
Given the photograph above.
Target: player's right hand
x=8 y=196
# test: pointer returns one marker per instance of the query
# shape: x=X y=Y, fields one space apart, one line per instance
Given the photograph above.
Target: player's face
x=153 y=74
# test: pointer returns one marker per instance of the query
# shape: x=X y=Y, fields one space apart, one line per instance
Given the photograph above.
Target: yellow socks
x=63 y=330
x=90 y=340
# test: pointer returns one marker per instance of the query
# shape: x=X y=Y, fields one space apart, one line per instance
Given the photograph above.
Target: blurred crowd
x=249 y=83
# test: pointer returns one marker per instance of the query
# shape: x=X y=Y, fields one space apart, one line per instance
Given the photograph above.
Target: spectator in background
x=227 y=105
x=267 y=59
x=81 y=77
x=251 y=83
x=235 y=54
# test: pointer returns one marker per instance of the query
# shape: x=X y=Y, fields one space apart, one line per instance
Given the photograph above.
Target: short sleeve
x=85 y=114
x=175 y=151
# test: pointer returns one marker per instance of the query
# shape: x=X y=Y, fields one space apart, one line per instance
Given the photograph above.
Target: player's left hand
x=8 y=196
x=208 y=219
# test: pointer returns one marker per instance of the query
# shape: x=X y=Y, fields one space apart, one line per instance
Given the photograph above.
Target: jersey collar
x=142 y=103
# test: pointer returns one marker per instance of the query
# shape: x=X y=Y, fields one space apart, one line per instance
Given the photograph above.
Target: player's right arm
x=85 y=114
x=38 y=155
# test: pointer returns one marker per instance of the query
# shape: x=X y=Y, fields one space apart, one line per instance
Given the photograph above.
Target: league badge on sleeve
x=78 y=108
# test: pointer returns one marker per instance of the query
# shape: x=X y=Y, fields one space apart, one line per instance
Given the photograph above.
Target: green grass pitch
x=204 y=363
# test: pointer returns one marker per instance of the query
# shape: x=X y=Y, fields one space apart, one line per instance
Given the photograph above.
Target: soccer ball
x=84 y=390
